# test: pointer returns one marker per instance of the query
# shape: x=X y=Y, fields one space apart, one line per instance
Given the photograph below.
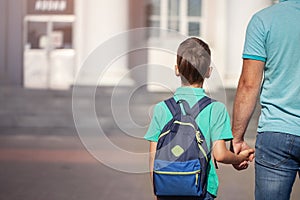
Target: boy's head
x=193 y=61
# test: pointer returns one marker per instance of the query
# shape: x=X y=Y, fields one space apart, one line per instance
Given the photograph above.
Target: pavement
x=43 y=156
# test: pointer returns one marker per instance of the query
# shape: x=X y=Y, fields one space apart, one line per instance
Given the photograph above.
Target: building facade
x=44 y=43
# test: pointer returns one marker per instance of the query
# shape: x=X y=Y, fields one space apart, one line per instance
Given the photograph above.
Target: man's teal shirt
x=273 y=36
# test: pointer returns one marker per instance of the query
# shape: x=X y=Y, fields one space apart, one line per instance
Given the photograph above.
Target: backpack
x=182 y=157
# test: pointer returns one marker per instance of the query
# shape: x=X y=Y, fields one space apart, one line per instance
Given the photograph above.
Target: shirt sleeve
x=155 y=126
x=220 y=123
x=254 y=47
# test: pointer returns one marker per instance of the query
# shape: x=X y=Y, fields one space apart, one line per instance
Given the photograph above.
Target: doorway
x=49 y=53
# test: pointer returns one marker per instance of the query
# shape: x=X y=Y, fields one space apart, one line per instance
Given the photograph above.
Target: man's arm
x=245 y=101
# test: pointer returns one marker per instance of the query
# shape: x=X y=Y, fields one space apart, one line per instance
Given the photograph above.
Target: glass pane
x=194 y=7
x=37 y=35
x=173 y=25
x=173 y=7
x=62 y=35
x=154 y=23
x=154 y=7
x=194 y=29
x=154 y=32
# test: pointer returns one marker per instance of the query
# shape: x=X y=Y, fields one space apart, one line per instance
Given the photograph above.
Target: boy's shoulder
x=215 y=105
x=161 y=105
x=218 y=105
x=160 y=108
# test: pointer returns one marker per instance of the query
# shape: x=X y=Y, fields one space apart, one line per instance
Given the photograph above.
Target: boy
x=193 y=66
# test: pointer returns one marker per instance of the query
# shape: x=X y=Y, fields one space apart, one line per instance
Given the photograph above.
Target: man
x=272 y=54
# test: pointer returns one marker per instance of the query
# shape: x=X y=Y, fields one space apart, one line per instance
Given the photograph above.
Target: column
x=3 y=36
x=14 y=43
x=98 y=22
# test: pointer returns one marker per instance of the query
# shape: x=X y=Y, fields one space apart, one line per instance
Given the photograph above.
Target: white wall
x=238 y=15
x=216 y=35
x=98 y=21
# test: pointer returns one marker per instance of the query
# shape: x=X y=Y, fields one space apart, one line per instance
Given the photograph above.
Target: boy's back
x=193 y=66
x=213 y=121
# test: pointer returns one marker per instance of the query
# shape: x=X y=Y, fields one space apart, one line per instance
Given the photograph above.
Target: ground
x=42 y=156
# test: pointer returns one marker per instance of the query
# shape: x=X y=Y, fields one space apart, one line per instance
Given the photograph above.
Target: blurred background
x=43 y=46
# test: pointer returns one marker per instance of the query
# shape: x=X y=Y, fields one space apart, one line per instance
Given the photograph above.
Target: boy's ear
x=177 y=70
x=208 y=73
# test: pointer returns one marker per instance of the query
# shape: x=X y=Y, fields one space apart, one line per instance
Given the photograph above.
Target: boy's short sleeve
x=155 y=126
x=220 y=128
x=254 y=47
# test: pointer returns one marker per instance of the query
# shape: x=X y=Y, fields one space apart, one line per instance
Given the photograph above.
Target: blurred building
x=43 y=43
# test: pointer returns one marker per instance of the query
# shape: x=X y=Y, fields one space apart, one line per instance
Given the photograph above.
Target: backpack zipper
x=163 y=134
x=196 y=173
x=199 y=145
x=185 y=124
x=197 y=178
x=178 y=173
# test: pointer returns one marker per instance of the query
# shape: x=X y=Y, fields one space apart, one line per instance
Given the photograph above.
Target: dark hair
x=193 y=60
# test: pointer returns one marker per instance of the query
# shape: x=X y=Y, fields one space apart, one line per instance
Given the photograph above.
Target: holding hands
x=238 y=160
x=242 y=149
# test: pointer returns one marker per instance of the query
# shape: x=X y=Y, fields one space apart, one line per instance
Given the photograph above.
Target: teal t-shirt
x=273 y=36
x=213 y=121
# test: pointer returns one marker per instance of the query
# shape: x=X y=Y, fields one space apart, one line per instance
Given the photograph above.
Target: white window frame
x=183 y=17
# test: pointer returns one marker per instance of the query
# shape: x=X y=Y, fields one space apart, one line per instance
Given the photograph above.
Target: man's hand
x=238 y=146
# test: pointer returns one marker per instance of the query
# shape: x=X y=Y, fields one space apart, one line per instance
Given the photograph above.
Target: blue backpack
x=182 y=157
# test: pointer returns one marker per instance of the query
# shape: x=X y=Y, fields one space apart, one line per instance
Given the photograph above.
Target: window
x=184 y=16
x=49 y=35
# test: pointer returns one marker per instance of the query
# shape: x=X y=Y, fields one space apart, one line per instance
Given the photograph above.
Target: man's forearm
x=246 y=97
x=244 y=106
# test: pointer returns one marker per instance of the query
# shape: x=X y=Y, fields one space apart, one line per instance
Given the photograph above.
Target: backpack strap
x=173 y=106
x=194 y=111
x=200 y=105
x=186 y=107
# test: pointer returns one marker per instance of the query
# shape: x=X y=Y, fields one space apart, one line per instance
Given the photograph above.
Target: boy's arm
x=152 y=151
x=223 y=155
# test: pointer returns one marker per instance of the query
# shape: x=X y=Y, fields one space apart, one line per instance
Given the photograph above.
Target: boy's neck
x=195 y=85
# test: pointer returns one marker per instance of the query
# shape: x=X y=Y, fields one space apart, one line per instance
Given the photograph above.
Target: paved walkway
x=43 y=158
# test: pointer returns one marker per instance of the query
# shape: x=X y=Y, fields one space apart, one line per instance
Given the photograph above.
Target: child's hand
x=247 y=155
